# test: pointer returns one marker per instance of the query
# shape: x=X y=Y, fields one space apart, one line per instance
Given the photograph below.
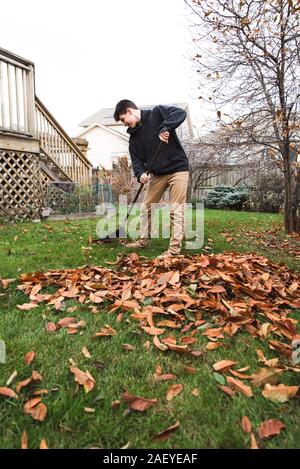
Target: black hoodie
x=144 y=140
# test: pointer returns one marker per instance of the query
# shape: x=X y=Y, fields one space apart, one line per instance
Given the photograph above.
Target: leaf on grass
x=43 y=444
x=89 y=410
x=266 y=375
x=128 y=347
x=280 y=393
x=24 y=441
x=223 y=365
x=239 y=386
x=246 y=425
x=227 y=391
x=153 y=330
x=138 y=403
x=50 y=327
x=237 y=374
x=219 y=378
x=85 y=379
x=36 y=409
x=213 y=345
x=7 y=392
x=27 y=306
x=173 y=391
x=181 y=349
x=159 y=344
x=270 y=428
x=13 y=376
x=164 y=434
x=29 y=357
x=196 y=392
x=23 y=384
x=169 y=323
x=85 y=352
x=106 y=331
x=253 y=444
x=190 y=369
x=65 y=322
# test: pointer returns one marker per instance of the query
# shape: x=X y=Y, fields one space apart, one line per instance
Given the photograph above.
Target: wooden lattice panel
x=21 y=194
x=56 y=194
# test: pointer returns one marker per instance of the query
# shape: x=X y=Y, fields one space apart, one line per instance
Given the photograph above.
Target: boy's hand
x=144 y=178
x=164 y=136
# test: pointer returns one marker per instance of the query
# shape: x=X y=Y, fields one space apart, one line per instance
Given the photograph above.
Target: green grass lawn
x=209 y=420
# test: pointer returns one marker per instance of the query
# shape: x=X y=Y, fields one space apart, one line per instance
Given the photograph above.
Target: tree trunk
x=296 y=204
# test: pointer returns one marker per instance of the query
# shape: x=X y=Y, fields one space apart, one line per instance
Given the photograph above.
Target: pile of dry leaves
x=211 y=295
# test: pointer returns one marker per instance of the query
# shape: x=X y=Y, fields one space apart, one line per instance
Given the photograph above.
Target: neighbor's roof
x=105 y=116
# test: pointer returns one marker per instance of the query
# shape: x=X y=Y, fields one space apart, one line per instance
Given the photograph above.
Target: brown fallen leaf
x=36 y=376
x=147 y=344
x=7 y=392
x=138 y=403
x=128 y=347
x=29 y=357
x=50 y=327
x=239 y=386
x=27 y=306
x=213 y=345
x=173 y=391
x=227 y=391
x=165 y=434
x=24 y=441
x=270 y=428
x=168 y=323
x=39 y=392
x=159 y=344
x=280 y=393
x=266 y=375
x=164 y=377
x=237 y=374
x=22 y=384
x=190 y=369
x=178 y=348
x=196 y=392
x=223 y=365
x=43 y=444
x=106 y=331
x=246 y=425
x=253 y=444
x=85 y=379
x=36 y=409
x=65 y=322
x=153 y=330
x=39 y=412
x=85 y=352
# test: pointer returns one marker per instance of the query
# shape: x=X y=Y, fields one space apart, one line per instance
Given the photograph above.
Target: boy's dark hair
x=122 y=106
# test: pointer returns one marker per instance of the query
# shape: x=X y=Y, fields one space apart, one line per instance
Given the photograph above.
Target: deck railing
x=17 y=108
x=56 y=143
x=21 y=112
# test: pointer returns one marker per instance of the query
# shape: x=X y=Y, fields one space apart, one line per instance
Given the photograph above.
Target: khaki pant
x=178 y=183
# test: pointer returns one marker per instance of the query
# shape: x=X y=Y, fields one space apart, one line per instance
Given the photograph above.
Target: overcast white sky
x=89 y=54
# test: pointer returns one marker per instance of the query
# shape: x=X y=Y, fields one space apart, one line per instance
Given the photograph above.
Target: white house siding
x=103 y=146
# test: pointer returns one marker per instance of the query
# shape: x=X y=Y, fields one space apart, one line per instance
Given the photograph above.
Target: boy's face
x=129 y=118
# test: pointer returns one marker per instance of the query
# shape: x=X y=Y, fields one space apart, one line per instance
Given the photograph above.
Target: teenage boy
x=147 y=128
